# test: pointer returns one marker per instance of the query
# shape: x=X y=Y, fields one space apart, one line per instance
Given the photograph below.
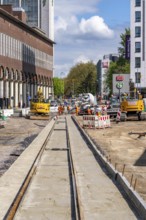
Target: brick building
x=26 y=59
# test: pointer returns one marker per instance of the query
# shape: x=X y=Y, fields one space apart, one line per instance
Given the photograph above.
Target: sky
x=86 y=30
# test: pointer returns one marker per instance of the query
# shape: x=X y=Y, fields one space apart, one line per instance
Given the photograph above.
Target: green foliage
x=81 y=79
x=121 y=66
x=121 y=49
x=58 y=86
x=115 y=68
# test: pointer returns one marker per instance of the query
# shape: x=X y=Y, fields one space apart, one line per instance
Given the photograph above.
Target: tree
x=58 y=86
x=81 y=79
x=121 y=49
x=121 y=65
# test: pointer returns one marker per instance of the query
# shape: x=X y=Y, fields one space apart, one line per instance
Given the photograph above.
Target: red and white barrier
x=89 y=121
x=104 y=121
x=96 y=121
x=104 y=110
x=118 y=118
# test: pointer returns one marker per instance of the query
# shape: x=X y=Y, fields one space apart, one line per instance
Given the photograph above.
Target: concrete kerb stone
x=109 y=167
x=132 y=195
x=135 y=198
x=14 y=177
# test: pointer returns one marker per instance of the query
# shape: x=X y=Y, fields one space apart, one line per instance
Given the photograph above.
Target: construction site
x=123 y=144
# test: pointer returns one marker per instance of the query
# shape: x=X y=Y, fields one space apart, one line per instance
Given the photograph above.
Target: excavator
x=39 y=106
x=133 y=106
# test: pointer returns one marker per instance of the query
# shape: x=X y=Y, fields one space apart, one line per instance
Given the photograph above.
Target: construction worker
x=60 y=109
x=68 y=108
x=89 y=111
x=77 y=110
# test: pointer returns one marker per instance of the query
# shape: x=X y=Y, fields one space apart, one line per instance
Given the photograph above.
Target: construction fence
x=94 y=121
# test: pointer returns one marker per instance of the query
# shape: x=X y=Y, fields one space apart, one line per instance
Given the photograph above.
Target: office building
x=40 y=13
x=138 y=45
x=102 y=67
x=26 y=60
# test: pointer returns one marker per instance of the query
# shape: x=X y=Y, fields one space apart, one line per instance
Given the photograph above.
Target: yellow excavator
x=39 y=106
x=132 y=106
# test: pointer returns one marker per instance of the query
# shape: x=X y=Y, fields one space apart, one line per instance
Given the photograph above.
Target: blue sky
x=87 y=30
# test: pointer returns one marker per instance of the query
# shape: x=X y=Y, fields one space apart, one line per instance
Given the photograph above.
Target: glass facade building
x=31 y=8
x=40 y=13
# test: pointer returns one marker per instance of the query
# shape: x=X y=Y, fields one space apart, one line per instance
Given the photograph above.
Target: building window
x=137 y=3
x=137 y=62
x=137 y=32
x=137 y=47
x=137 y=77
x=137 y=16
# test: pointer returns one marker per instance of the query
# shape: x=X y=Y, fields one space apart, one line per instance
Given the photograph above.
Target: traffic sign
x=119 y=85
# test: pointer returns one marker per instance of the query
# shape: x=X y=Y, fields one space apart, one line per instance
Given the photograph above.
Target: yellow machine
x=39 y=105
x=132 y=106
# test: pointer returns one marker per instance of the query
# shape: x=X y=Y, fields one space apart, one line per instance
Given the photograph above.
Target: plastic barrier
x=7 y=112
x=92 y=121
x=104 y=121
x=89 y=121
x=25 y=111
x=118 y=118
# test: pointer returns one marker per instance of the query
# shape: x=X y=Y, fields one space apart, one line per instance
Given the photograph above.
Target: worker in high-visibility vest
x=89 y=111
x=68 y=108
x=77 y=110
x=59 y=109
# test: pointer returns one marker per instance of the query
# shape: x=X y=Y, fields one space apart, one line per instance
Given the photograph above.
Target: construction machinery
x=132 y=106
x=87 y=102
x=39 y=106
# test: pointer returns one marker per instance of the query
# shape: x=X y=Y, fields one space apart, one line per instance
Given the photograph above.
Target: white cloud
x=86 y=29
x=81 y=59
x=95 y=26
x=81 y=35
x=60 y=24
x=67 y=8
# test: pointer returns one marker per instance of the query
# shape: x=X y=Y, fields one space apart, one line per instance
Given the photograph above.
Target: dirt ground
x=15 y=136
x=120 y=147
x=126 y=152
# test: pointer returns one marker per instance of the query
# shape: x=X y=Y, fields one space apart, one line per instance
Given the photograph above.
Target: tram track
x=64 y=179
x=12 y=211
x=75 y=213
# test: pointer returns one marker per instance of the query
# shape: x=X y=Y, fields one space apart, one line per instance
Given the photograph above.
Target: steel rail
x=75 y=207
x=73 y=176
x=13 y=209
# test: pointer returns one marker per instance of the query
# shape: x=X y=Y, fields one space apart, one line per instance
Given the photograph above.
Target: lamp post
x=119 y=86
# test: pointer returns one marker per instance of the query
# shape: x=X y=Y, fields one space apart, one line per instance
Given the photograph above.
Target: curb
x=133 y=197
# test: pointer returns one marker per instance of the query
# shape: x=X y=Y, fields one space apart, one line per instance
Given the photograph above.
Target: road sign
x=119 y=85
